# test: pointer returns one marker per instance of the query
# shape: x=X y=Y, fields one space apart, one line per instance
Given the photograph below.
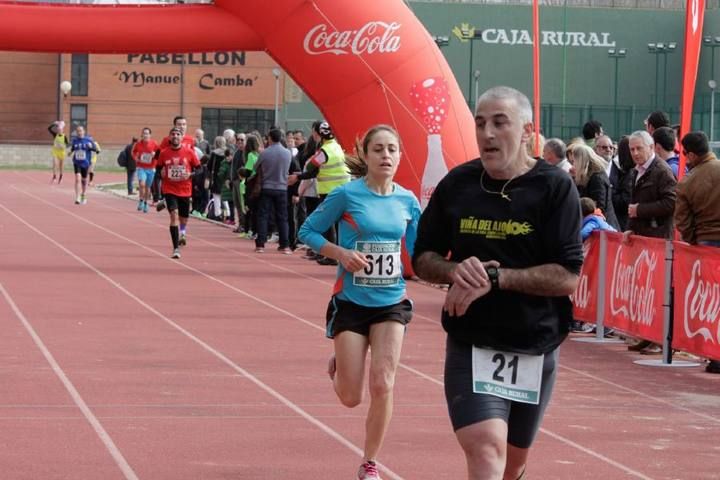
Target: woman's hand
x=352 y=260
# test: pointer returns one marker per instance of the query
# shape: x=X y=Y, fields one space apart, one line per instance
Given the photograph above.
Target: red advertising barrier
x=586 y=294
x=696 y=325
x=636 y=283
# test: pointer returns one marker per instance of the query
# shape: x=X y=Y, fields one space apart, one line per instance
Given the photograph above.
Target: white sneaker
x=77 y=200
x=368 y=471
x=83 y=200
x=274 y=238
x=176 y=253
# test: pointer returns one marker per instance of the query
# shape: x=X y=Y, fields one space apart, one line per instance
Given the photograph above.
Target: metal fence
x=566 y=121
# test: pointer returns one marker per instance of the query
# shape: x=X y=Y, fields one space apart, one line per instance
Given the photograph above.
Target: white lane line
x=243 y=254
x=206 y=275
x=427 y=377
x=595 y=454
x=641 y=394
x=107 y=195
x=586 y=450
x=267 y=388
x=89 y=416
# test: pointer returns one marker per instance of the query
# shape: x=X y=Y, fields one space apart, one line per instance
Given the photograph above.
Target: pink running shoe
x=368 y=471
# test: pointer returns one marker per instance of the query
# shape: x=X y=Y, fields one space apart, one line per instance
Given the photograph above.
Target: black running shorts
x=344 y=315
x=181 y=204
x=467 y=408
x=83 y=171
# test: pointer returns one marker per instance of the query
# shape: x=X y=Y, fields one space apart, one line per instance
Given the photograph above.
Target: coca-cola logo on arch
x=632 y=294
x=702 y=306
x=373 y=37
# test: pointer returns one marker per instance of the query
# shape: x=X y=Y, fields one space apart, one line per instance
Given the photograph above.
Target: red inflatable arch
x=362 y=63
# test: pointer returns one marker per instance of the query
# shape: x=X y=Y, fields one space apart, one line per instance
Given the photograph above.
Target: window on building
x=78 y=116
x=216 y=120
x=79 y=74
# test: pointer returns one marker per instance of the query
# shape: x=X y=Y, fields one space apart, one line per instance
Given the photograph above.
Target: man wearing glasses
x=604 y=147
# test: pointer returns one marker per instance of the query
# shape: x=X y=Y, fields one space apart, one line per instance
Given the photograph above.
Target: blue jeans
x=710 y=243
x=272 y=200
x=130 y=180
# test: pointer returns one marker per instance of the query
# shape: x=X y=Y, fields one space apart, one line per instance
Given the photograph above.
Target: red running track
x=120 y=363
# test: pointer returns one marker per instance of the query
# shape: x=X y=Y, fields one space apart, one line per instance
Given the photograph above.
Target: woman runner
x=368 y=307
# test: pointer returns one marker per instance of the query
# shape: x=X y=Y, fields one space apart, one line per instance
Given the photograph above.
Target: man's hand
x=295 y=199
x=459 y=299
x=627 y=237
x=470 y=273
x=292 y=179
x=632 y=210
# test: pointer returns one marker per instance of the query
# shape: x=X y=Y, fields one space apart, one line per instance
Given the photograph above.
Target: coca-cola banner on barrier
x=636 y=281
x=586 y=294
x=696 y=324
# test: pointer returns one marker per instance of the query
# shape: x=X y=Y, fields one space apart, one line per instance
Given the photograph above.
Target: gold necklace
x=502 y=190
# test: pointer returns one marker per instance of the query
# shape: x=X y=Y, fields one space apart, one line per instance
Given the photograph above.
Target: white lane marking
x=274 y=393
x=250 y=257
x=89 y=416
x=641 y=394
x=427 y=377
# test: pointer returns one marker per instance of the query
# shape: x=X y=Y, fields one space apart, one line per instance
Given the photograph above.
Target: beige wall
x=126 y=93
x=28 y=96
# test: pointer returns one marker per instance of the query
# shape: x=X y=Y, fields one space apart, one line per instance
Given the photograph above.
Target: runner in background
x=93 y=161
x=144 y=154
x=369 y=308
x=81 y=150
x=177 y=164
x=187 y=141
x=60 y=144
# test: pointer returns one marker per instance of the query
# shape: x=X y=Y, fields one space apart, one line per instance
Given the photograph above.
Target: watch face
x=491 y=271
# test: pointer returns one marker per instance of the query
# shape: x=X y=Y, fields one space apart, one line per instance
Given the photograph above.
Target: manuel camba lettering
x=496 y=229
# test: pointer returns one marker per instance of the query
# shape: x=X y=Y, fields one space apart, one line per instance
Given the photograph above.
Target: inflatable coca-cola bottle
x=431 y=100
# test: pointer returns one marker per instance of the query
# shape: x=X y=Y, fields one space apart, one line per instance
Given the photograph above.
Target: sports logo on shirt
x=494 y=229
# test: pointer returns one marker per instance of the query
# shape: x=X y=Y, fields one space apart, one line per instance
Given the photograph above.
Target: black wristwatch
x=494 y=275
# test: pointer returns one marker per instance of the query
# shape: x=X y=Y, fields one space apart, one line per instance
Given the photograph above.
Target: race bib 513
x=384 y=264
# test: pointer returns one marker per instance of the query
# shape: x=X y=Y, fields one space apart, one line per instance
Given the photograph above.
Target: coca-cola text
x=631 y=290
x=702 y=306
x=373 y=37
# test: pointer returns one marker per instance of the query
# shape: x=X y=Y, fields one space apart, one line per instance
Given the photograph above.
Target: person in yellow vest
x=60 y=144
x=328 y=165
x=93 y=161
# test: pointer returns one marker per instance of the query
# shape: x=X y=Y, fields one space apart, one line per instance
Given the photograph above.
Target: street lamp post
x=657 y=49
x=477 y=86
x=276 y=73
x=712 y=42
x=65 y=88
x=441 y=40
x=466 y=33
x=616 y=54
x=713 y=85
